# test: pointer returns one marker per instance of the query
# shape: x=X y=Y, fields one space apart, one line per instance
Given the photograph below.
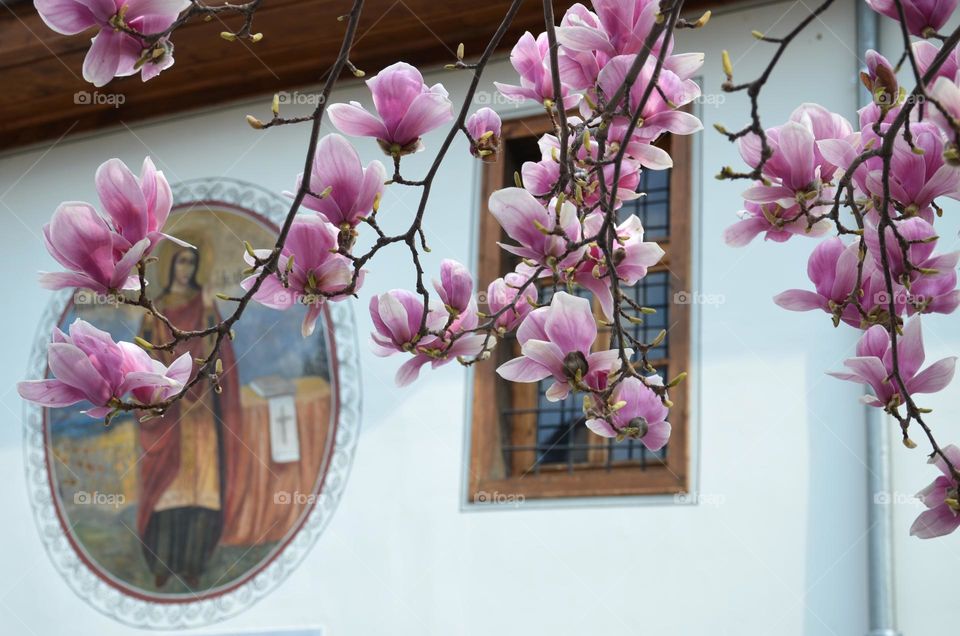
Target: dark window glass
x=561 y=439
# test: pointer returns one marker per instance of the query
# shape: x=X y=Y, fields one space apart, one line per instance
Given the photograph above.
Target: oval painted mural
x=184 y=517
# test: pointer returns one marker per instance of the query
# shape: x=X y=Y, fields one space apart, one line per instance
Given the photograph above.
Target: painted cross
x=284 y=441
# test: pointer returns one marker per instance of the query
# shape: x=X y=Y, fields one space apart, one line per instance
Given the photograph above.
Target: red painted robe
x=160 y=437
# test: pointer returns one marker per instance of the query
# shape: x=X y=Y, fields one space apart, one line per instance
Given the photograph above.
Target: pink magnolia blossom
x=921 y=235
x=632 y=257
x=797 y=165
x=590 y=40
x=641 y=147
x=406 y=109
x=792 y=167
x=354 y=190
x=947 y=93
x=881 y=80
x=530 y=57
x=555 y=341
x=934 y=294
x=138 y=207
x=660 y=112
x=397 y=315
x=455 y=286
x=454 y=342
x=532 y=225
x=916 y=180
x=540 y=178
x=832 y=268
x=314 y=272
x=115 y=53
x=99 y=254
x=873 y=365
x=618 y=28
x=88 y=365
x=824 y=125
x=921 y=15
x=644 y=415
x=941 y=498
x=97 y=258
x=484 y=127
x=579 y=63
x=925 y=52
x=504 y=294
x=775 y=222
x=149 y=380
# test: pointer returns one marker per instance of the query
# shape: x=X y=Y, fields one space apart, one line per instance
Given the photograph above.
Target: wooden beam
x=43 y=95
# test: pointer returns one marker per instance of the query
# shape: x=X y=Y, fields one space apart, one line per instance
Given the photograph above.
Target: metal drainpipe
x=881 y=600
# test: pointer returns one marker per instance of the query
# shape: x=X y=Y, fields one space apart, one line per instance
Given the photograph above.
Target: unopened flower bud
x=639 y=425
x=727 y=65
x=575 y=365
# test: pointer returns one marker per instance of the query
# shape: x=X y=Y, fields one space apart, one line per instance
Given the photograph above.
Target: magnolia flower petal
x=426 y=112
x=570 y=323
x=337 y=166
x=62 y=280
x=353 y=119
x=557 y=391
x=934 y=378
x=123 y=198
x=70 y=17
x=799 y=300
x=935 y=522
x=601 y=427
x=584 y=38
x=910 y=348
x=181 y=369
x=109 y=55
x=393 y=313
x=410 y=370
x=652 y=157
x=547 y=354
x=658 y=434
x=51 y=393
x=516 y=93
x=71 y=366
x=523 y=369
x=126 y=264
x=310 y=319
x=742 y=232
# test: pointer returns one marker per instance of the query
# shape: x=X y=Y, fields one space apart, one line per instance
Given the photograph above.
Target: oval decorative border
x=144 y=613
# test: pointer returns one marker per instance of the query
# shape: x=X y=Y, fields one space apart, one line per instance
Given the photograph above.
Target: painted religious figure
x=199 y=500
x=184 y=486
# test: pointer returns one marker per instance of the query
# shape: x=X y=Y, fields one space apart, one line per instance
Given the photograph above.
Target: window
x=522 y=444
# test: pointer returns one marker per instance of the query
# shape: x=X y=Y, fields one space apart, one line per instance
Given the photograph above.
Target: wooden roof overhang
x=42 y=89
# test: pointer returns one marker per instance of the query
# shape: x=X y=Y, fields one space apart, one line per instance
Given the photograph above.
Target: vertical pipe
x=881 y=599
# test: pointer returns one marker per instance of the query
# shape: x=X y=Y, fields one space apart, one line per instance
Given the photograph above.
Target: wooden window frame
x=487 y=470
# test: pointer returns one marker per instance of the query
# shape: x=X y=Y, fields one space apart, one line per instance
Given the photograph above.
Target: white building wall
x=778 y=544
x=925 y=569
